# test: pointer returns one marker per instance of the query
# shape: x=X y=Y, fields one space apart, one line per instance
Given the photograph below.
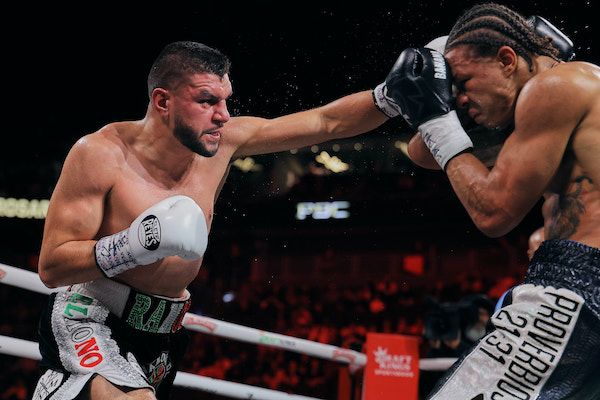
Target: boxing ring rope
x=28 y=349
x=22 y=348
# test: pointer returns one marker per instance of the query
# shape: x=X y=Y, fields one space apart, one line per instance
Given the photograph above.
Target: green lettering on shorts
x=78 y=299
x=154 y=322
x=140 y=308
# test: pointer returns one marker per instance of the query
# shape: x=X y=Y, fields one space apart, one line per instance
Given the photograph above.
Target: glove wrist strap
x=445 y=137
x=385 y=104
x=113 y=254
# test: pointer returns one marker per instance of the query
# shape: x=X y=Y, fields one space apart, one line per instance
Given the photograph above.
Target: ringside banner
x=392 y=370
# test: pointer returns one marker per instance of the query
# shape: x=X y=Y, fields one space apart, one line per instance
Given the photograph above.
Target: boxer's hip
x=130 y=338
x=545 y=341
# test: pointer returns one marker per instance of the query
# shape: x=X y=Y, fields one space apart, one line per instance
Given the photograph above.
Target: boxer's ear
x=159 y=99
x=508 y=59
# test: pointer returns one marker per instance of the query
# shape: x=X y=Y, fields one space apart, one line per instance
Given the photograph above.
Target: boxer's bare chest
x=137 y=187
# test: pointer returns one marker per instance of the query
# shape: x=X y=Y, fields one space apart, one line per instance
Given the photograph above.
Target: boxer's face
x=484 y=91
x=200 y=111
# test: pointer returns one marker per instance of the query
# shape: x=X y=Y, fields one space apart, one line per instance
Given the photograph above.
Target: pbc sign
x=323 y=210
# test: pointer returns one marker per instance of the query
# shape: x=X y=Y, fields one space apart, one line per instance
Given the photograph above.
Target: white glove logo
x=149 y=232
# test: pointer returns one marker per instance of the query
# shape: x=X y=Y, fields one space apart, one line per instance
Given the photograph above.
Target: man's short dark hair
x=180 y=59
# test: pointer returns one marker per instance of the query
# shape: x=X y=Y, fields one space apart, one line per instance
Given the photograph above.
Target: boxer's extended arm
x=349 y=116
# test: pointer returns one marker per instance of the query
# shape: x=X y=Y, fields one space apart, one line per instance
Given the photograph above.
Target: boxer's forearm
x=482 y=196
x=348 y=116
x=67 y=264
x=352 y=115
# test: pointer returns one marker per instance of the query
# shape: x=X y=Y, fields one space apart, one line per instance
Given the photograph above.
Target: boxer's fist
x=175 y=226
x=421 y=84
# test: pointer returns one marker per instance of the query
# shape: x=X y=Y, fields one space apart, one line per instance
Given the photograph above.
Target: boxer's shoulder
x=582 y=67
x=564 y=87
x=586 y=76
x=238 y=132
x=573 y=76
x=104 y=147
x=239 y=127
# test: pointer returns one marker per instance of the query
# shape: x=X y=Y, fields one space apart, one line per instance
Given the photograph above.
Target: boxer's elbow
x=48 y=274
x=494 y=225
x=52 y=269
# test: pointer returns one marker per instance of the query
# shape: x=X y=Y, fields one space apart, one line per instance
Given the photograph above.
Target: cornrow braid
x=490 y=26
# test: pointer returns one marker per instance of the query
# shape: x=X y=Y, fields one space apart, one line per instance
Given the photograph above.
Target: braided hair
x=489 y=26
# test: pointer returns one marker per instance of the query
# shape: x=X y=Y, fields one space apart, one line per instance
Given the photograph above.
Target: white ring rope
x=24 y=279
x=28 y=349
x=22 y=348
x=242 y=333
x=31 y=281
x=19 y=348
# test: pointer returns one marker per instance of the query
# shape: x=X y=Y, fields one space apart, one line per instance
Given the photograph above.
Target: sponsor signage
x=392 y=370
x=323 y=210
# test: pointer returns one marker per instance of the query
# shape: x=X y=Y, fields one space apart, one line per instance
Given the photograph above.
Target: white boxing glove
x=438 y=44
x=175 y=226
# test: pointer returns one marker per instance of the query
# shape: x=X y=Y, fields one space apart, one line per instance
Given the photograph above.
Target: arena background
x=68 y=71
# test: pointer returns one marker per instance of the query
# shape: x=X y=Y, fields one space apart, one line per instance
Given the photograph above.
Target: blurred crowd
x=340 y=316
x=396 y=212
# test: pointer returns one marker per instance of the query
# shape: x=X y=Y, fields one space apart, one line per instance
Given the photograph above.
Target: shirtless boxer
x=546 y=340
x=129 y=218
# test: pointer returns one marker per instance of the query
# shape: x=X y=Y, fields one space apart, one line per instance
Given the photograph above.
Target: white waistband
x=113 y=295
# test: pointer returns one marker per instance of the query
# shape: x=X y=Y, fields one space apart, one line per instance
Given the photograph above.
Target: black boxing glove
x=418 y=83
x=421 y=84
x=560 y=41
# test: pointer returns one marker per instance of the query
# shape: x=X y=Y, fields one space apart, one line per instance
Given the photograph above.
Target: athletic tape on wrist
x=113 y=254
x=385 y=104
x=445 y=137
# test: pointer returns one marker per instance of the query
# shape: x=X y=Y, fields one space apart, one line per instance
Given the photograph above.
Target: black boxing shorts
x=132 y=339
x=545 y=340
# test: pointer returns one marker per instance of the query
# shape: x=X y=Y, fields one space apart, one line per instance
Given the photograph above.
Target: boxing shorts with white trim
x=132 y=339
x=544 y=343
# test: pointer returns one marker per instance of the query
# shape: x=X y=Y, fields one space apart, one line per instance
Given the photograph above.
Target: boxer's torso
x=572 y=203
x=138 y=184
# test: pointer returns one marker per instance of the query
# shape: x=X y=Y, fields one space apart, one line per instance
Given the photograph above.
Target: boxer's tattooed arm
x=567 y=212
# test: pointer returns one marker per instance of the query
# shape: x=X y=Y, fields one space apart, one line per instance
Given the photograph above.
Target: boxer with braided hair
x=544 y=342
x=490 y=26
